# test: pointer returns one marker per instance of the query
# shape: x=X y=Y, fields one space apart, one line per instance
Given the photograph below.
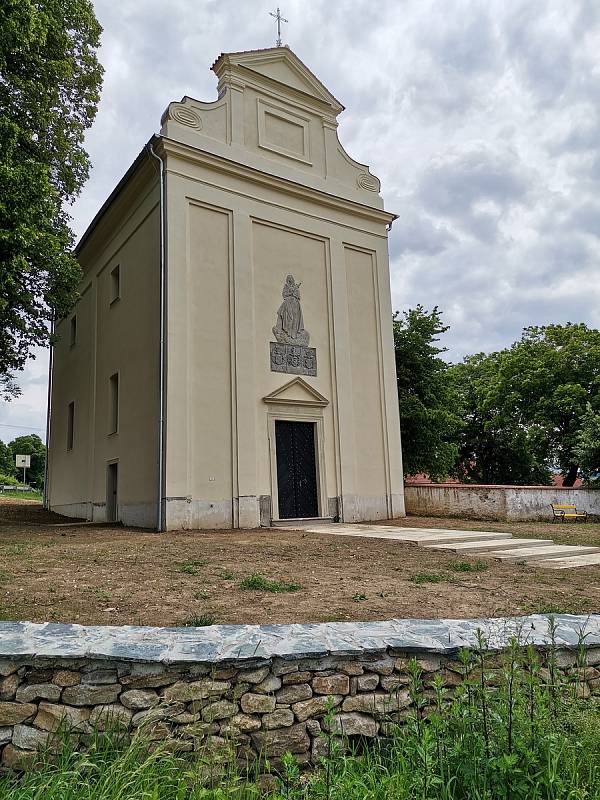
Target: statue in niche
x=289 y=328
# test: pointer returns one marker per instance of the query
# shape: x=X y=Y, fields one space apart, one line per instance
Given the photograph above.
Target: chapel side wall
x=72 y=382
x=120 y=337
x=128 y=344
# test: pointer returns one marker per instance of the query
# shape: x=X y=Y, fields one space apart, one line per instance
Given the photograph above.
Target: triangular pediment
x=297 y=392
x=279 y=64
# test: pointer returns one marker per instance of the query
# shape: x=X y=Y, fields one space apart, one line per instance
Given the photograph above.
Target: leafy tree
x=33 y=446
x=524 y=406
x=428 y=404
x=50 y=81
x=587 y=451
x=7 y=462
x=493 y=446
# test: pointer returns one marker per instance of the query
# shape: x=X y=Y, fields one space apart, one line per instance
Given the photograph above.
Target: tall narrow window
x=70 y=425
x=115 y=284
x=113 y=403
x=73 y=331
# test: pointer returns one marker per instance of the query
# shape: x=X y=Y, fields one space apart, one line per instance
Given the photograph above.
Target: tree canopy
x=587 y=449
x=50 y=82
x=428 y=413
x=30 y=445
x=524 y=406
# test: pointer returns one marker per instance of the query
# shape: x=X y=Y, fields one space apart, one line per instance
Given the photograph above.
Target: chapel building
x=230 y=361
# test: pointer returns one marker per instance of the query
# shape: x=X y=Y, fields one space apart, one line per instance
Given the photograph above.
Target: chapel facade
x=230 y=361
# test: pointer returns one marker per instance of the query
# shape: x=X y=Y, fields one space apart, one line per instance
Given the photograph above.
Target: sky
x=480 y=117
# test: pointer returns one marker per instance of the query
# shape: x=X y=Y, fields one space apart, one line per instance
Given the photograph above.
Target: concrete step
x=461 y=536
x=489 y=545
x=412 y=536
x=590 y=560
x=551 y=551
x=300 y=522
x=336 y=529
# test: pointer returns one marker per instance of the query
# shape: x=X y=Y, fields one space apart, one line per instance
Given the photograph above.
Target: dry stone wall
x=265 y=689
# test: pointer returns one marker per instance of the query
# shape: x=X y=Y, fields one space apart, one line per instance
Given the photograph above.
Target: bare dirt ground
x=113 y=575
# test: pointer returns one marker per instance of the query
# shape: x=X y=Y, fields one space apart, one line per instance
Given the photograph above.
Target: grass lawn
x=112 y=575
x=36 y=497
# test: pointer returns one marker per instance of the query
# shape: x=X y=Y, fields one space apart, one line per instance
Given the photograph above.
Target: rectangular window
x=113 y=403
x=70 y=425
x=115 y=284
x=73 y=331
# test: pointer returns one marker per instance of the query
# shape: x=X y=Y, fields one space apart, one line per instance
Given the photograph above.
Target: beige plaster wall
x=277 y=252
x=199 y=432
x=232 y=241
x=72 y=382
x=366 y=376
x=122 y=338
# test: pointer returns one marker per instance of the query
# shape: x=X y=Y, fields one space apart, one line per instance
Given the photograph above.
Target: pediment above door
x=296 y=392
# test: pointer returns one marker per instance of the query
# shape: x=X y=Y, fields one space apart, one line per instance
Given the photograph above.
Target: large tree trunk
x=571 y=475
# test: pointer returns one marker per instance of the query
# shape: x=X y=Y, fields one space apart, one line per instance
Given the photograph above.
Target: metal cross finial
x=279 y=19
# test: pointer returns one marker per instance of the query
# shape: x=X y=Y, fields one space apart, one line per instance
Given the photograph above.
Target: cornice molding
x=194 y=155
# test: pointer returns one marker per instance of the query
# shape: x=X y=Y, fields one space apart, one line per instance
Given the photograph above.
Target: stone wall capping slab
x=257 y=645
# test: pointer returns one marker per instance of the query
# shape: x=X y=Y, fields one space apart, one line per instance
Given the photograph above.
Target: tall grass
x=513 y=730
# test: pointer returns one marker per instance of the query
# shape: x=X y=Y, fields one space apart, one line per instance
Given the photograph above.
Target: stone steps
x=413 y=535
x=487 y=546
x=540 y=553
x=589 y=560
x=501 y=546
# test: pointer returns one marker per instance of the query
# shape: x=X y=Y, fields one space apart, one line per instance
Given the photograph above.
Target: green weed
x=359 y=597
x=567 y=607
x=469 y=566
x=190 y=567
x=226 y=574
x=201 y=621
x=430 y=577
x=260 y=584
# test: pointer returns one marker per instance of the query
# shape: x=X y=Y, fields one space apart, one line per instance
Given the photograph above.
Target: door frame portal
x=297 y=401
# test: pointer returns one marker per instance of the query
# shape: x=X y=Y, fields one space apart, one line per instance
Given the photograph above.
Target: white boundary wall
x=509 y=503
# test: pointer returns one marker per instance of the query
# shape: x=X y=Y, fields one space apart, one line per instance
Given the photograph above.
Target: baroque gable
x=274 y=115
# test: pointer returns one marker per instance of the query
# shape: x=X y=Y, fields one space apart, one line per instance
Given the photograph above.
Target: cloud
x=480 y=118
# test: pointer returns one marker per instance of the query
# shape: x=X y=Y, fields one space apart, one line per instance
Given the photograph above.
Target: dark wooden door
x=296 y=469
x=112 y=500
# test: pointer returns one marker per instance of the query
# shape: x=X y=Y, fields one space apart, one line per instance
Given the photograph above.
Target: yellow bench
x=564 y=511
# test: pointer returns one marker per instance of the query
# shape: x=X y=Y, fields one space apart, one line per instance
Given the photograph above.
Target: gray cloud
x=480 y=118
